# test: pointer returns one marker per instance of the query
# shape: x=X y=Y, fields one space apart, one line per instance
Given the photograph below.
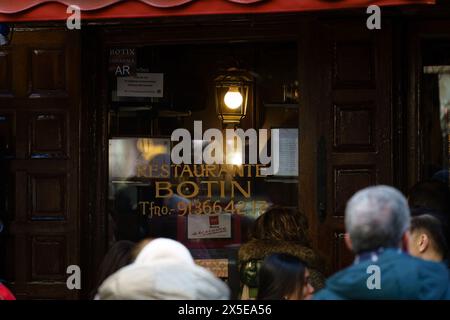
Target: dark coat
x=402 y=277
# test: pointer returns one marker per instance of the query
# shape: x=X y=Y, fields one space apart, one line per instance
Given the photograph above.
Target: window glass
x=209 y=207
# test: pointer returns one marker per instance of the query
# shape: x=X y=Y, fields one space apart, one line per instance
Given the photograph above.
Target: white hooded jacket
x=163 y=270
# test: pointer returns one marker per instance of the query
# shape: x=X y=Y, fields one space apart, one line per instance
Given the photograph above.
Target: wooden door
x=345 y=125
x=39 y=138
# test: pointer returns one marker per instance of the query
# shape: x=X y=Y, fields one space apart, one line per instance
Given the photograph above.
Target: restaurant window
x=434 y=114
x=155 y=90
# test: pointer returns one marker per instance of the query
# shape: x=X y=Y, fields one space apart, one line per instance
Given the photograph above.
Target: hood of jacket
x=163 y=270
x=163 y=281
x=401 y=276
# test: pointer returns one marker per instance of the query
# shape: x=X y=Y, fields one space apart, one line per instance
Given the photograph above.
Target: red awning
x=44 y=10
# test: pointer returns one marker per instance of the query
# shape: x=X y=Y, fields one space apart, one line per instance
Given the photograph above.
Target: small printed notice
x=142 y=85
x=209 y=226
x=288 y=152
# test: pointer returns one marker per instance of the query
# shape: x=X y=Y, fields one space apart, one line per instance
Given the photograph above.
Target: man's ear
x=348 y=241
x=424 y=242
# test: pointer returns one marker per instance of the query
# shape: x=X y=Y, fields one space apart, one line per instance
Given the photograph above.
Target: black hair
x=430 y=194
x=280 y=275
x=434 y=229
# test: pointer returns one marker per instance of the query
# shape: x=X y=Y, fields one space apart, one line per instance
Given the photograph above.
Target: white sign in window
x=149 y=85
x=209 y=226
x=288 y=153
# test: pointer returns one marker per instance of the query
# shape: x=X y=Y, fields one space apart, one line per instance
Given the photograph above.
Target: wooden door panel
x=48 y=135
x=354 y=127
x=43 y=196
x=348 y=180
x=48 y=73
x=352 y=63
x=359 y=154
x=48 y=197
x=48 y=255
x=42 y=217
x=349 y=86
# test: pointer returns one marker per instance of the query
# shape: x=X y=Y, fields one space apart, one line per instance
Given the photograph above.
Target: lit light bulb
x=233 y=98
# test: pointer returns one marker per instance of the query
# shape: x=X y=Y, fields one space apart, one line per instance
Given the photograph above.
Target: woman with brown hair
x=278 y=230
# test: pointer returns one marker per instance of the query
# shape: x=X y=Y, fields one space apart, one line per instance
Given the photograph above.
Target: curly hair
x=280 y=223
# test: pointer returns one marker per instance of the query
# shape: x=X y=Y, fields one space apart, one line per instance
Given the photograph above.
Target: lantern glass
x=232 y=93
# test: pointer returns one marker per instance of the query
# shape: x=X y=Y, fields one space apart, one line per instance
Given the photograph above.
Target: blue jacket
x=401 y=277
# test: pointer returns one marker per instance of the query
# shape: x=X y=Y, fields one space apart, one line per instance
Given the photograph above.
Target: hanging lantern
x=232 y=94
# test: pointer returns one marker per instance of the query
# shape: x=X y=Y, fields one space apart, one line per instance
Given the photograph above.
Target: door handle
x=322 y=179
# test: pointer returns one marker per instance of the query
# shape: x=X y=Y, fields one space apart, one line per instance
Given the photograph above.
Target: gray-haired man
x=377 y=220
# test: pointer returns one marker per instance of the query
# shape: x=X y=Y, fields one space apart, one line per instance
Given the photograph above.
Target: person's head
x=162 y=249
x=441 y=217
x=163 y=270
x=427 y=239
x=430 y=194
x=283 y=277
x=281 y=224
x=118 y=256
x=377 y=217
